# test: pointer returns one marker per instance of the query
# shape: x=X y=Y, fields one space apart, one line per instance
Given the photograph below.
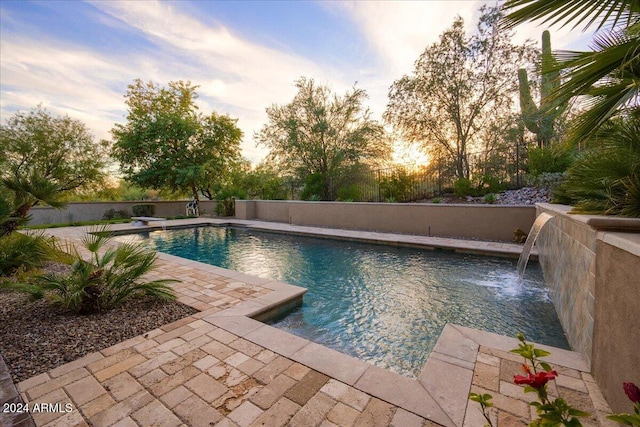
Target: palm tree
x=609 y=76
x=606 y=178
x=28 y=191
x=108 y=278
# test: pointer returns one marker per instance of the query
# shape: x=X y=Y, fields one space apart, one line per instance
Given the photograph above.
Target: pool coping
x=440 y=393
x=480 y=247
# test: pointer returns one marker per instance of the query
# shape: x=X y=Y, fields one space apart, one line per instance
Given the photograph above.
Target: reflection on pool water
x=383 y=304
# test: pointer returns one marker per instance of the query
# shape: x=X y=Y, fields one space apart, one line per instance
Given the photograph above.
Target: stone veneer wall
x=592 y=267
x=567 y=255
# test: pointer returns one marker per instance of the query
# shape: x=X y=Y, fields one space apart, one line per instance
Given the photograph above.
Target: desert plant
x=107 y=279
x=490 y=198
x=349 y=193
x=22 y=252
x=436 y=200
x=463 y=187
x=489 y=184
x=552 y=159
x=398 y=185
x=605 y=179
x=540 y=120
x=313 y=186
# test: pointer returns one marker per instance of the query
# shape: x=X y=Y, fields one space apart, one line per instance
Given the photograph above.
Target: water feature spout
x=540 y=221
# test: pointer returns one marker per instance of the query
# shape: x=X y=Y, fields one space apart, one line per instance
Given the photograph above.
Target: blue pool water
x=383 y=304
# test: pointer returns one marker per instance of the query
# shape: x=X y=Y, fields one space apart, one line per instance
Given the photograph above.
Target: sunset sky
x=77 y=57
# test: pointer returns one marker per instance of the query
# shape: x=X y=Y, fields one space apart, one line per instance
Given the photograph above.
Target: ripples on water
x=383 y=304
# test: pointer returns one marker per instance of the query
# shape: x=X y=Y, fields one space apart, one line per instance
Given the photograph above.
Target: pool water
x=383 y=304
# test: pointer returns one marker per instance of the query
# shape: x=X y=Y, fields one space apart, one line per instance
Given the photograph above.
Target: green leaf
x=538 y=352
x=578 y=413
x=626 y=419
x=573 y=422
x=546 y=366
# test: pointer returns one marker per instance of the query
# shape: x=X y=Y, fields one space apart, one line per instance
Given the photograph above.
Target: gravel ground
x=36 y=337
x=522 y=196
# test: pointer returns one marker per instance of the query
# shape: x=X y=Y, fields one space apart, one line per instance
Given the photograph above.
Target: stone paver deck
x=222 y=367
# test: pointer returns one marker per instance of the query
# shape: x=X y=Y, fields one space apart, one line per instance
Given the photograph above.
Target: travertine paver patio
x=221 y=367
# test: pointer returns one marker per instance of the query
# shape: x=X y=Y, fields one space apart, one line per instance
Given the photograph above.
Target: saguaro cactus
x=540 y=120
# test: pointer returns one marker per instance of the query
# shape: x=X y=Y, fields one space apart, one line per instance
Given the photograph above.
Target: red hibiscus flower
x=632 y=391
x=535 y=380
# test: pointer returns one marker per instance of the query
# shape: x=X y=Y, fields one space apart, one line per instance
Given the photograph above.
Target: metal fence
x=498 y=169
x=504 y=169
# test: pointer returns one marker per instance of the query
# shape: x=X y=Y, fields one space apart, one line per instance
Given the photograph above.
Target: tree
x=610 y=74
x=44 y=157
x=319 y=134
x=604 y=179
x=459 y=85
x=167 y=143
x=110 y=277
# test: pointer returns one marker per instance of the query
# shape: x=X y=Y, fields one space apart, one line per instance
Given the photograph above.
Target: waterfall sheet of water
x=540 y=221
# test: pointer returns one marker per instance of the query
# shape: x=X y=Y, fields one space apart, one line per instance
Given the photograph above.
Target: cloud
x=399 y=31
x=64 y=79
x=236 y=76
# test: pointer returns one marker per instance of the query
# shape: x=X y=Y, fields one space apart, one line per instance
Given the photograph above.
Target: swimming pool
x=383 y=304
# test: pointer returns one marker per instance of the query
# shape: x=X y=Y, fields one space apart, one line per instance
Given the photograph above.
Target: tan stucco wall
x=91 y=211
x=485 y=222
x=616 y=347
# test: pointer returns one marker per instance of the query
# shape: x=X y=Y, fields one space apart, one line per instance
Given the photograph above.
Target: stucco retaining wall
x=616 y=335
x=484 y=222
x=91 y=211
x=593 y=274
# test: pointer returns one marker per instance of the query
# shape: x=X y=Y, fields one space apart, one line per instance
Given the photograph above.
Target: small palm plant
x=107 y=279
x=605 y=179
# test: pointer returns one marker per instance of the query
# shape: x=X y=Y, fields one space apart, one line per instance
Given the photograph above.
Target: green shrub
x=554 y=159
x=490 y=198
x=605 y=179
x=313 y=186
x=463 y=187
x=436 y=200
x=226 y=207
x=144 y=210
x=398 y=186
x=117 y=214
x=22 y=252
x=489 y=184
x=349 y=193
x=108 y=279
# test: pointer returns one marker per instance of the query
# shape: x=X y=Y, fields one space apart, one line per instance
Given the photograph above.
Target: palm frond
x=605 y=179
x=579 y=12
x=112 y=276
x=96 y=238
x=35 y=292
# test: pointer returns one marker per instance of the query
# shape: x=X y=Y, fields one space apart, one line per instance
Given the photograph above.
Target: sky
x=78 y=57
